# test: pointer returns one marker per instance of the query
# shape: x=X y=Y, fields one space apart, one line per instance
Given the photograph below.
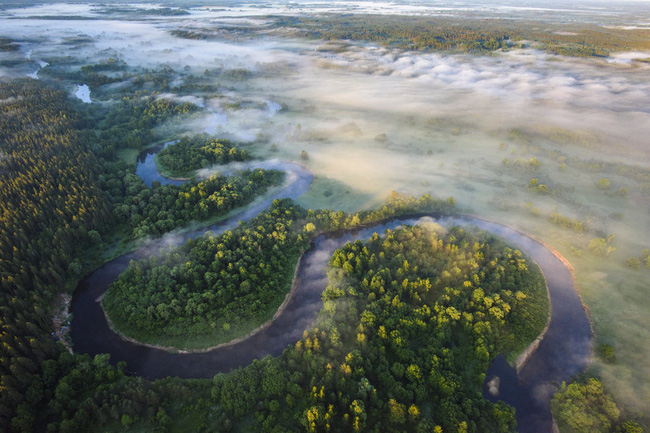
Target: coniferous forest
x=231 y=218
x=50 y=185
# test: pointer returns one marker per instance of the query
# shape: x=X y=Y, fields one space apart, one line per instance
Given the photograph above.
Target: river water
x=563 y=352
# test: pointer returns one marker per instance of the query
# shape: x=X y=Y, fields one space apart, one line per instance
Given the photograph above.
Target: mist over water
x=375 y=119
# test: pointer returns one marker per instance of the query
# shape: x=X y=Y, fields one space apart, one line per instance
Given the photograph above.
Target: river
x=564 y=351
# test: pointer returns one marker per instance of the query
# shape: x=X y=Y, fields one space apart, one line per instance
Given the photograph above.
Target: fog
x=83 y=93
x=374 y=119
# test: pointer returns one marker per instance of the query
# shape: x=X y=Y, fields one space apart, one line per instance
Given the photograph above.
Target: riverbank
x=525 y=355
x=171 y=349
x=61 y=320
x=530 y=350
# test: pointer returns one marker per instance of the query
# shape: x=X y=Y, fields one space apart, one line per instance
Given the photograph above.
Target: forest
x=155 y=211
x=52 y=210
x=217 y=288
x=403 y=314
x=141 y=211
x=62 y=198
x=41 y=381
x=212 y=289
x=192 y=153
x=130 y=123
x=411 y=318
x=471 y=35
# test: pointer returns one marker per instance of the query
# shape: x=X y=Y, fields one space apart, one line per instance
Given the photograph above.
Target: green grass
x=617 y=298
x=327 y=193
x=128 y=155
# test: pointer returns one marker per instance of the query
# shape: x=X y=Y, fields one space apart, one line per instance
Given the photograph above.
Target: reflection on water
x=147 y=170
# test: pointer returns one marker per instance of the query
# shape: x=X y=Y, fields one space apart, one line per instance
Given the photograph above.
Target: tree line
x=465 y=35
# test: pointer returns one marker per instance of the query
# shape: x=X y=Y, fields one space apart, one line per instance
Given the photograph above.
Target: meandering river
x=563 y=352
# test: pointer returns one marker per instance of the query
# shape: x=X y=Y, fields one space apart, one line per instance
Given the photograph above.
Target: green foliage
x=577 y=50
x=401 y=31
x=411 y=321
x=86 y=392
x=584 y=407
x=93 y=77
x=466 y=35
x=127 y=420
x=238 y=74
x=212 y=289
x=606 y=353
x=633 y=263
x=218 y=288
x=629 y=427
x=154 y=211
x=601 y=246
x=396 y=205
x=133 y=81
x=603 y=183
x=522 y=165
x=191 y=153
x=622 y=192
x=532 y=209
x=53 y=210
x=537 y=187
x=130 y=122
x=576 y=225
x=49 y=203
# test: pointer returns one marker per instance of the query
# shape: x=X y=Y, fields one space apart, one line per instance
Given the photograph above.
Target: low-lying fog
x=375 y=119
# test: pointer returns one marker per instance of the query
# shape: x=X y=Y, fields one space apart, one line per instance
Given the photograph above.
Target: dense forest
x=46 y=226
x=52 y=209
x=62 y=195
x=192 y=153
x=155 y=211
x=410 y=323
x=141 y=211
x=212 y=289
x=403 y=315
x=585 y=407
x=217 y=288
x=130 y=122
x=475 y=35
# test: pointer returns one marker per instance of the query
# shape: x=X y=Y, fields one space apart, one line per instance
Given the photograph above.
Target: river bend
x=563 y=352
